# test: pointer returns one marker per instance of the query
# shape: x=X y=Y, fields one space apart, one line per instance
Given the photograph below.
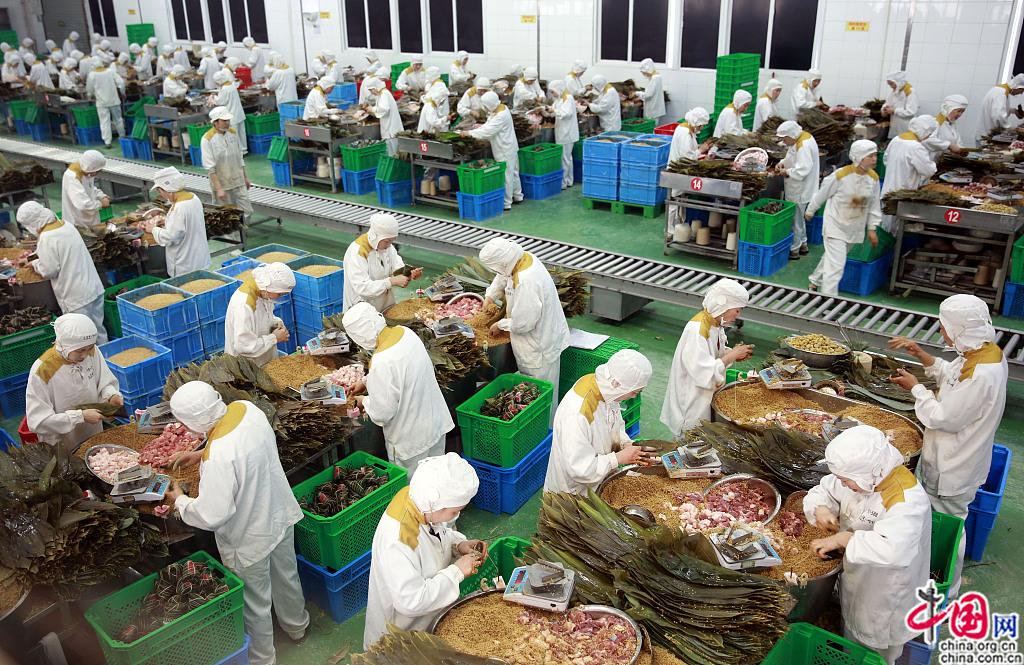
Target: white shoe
x=517 y=199
x=507 y=208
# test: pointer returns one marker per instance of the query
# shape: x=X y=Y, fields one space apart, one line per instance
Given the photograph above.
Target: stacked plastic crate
x=33 y=122
x=1013 y=288
x=111 y=317
x=393 y=182
x=540 y=170
x=317 y=293
x=195 y=143
x=577 y=362
x=737 y=71
x=765 y=237
x=344 y=95
x=291 y=111
x=638 y=125
x=260 y=131
x=17 y=353
x=360 y=165
x=601 y=166
x=867 y=268
x=481 y=192
x=212 y=305
x=510 y=456
x=87 y=125
x=642 y=161
x=983 y=511
x=283 y=307
x=142 y=383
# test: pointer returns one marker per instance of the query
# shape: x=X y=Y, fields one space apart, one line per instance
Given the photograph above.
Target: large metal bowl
x=753 y=480
x=816 y=360
x=105 y=446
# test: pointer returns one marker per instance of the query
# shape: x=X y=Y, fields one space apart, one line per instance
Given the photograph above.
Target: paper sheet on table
x=581 y=339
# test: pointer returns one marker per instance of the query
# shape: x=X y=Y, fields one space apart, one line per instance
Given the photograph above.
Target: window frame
x=672 y=18
x=232 y=40
x=103 y=19
x=428 y=40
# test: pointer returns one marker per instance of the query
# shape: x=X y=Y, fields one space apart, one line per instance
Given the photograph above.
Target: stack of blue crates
x=211 y=305
x=343 y=95
x=982 y=512
x=136 y=149
x=291 y=111
x=88 y=136
x=283 y=308
x=641 y=162
x=601 y=161
x=315 y=297
x=358 y=182
x=12 y=394
x=140 y=384
x=175 y=326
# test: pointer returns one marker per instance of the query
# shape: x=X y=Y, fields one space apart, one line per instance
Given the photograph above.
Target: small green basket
x=540 y=159
x=140 y=129
x=482 y=180
x=804 y=644
x=261 y=125
x=639 y=125
x=85 y=116
x=363 y=158
x=19 y=350
x=501 y=560
x=576 y=362
x=17 y=108
x=196 y=132
x=504 y=442
x=761 y=228
x=866 y=253
x=111 y=316
x=392 y=169
x=137 y=109
x=1017 y=261
x=278 y=149
x=947 y=531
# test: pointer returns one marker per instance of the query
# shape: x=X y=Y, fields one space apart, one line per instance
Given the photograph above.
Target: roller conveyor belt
x=783 y=307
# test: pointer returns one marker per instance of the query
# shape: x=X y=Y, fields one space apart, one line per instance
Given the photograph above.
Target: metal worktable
x=327 y=146
x=433 y=155
x=54 y=105
x=169 y=119
x=699 y=193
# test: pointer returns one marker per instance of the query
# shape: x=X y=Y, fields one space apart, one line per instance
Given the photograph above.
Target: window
x=410 y=26
x=749 y=30
x=368 y=24
x=701 y=19
x=1018 y=57
x=188 y=20
x=469 y=25
x=218 y=26
x=793 y=21
x=645 y=36
x=442 y=25
x=248 y=19
x=223 y=20
x=104 y=21
x=355 y=23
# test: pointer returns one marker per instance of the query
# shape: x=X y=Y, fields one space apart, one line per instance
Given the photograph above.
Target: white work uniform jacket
x=654 y=97
x=908 y=164
x=39 y=76
x=68 y=80
x=729 y=122
x=79 y=197
x=433 y=119
x=585 y=429
x=222 y=156
x=105 y=85
x=11 y=76
x=386 y=110
x=995 y=111
x=403 y=396
x=534 y=315
x=945 y=136
x=257 y=63
x=67 y=47
x=608 y=109
x=500 y=131
x=174 y=87
x=87 y=64
x=802 y=164
x=282 y=82
x=368 y=274
x=573 y=85
x=961 y=420
x=888 y=557
x=144 y=63
x=904 y=107
x=567 y=124
x=208 y=67
x=469 y=103
x=411 y=79
x=184 y=235
x=316 y=104
x=244 y=496
x=852 y=204
x=228 y=97
x=805 y=97
x=248 y=325
x=697 y=371
x=65 y=261
x=524 y=93
x=164 y=65
x=765 y=109
x=56 y=387
x=413 y=576
x=444 y=106
x=684 y=143
x=457 y=73
x=180 y=57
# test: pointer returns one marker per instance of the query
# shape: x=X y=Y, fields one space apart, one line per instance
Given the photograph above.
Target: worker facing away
x=996 y=114
x=589 y=429
x=227 y=97
x=183 y=232
x=281 y=80
x=880 y=514
x=799 y=168
x=567 y=127
x=251 y=329
x=80 y=198
x=500 y=131
x=373 y=265
x=418 y=557
x=908 y=163
x=71 y=373
x=900 y=103
x=245 y=500
x=381 y=105
x=607 y=106
x=652 y=94
x=222 y=158
x=106 y=87
x=257 y=59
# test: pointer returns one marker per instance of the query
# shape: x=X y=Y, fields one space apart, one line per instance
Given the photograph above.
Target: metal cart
x=326 y=145
x=434 y=155
x=169 y=119
x=53 y=104
x=700 y=193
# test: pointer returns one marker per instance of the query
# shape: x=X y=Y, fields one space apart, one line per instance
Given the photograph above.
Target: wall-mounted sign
x=528 y=18
x=325 y=15
x=858 y=26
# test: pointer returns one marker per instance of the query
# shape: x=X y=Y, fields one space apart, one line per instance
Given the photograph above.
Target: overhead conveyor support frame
x=634 y=278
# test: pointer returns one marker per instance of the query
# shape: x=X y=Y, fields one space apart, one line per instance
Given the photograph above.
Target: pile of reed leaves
x=831 y=133
x=721 y=169
x=937 y=198
x=573 y=285
x=400 y=647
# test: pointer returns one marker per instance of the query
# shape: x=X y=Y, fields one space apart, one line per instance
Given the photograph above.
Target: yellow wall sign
x=325 y=15
x=858 y=26
x=528 y=18
x=131 y=12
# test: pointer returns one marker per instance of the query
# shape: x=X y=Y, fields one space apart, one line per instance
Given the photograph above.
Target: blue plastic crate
x=7 y=441
x=20 y=127
x=143 y=149
x=260 y=144
x=1013 y=300
x=12 y=394
x=601 y=169
x=864 y=278
x=540 y=187
x=304 y=334
x=88 y=135
x=645 y=195
x=577 y=172
x=240 y=657
x=212 y=304
x=814 y=230
x=186 y=346
x=393 y=194
x=979 y=525
x=257 y=252
x=641 y=154
x=918 y=653
x=340 y=593
x=144 y=376
x=639 y=174
x=39 y=131
x=137 y=402
x=633 y=430
x=343 y=93
x=764 y=260
x=358 y=182
x=237 y=267
x=161 y=322
x=212 y=334
x=479 y=207
x=195 y=155
x=599 y=147
x=291 y=111
x=289 y=346
x=319 y=291
x=990 y=496
x=128 y=148
x=311 y=316
x=506 y=490
x=282 y=173
x=599 y=188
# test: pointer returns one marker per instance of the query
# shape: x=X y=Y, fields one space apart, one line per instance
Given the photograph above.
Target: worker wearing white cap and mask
x=851 y=196
x=884 y=522
x=316 y=101
x=165 y=61
x=13 y=70
x=208 y=66
x=908 y=164
x=94 y=42
x=702 y=356
x=607 y=106
x=184 y=231
x=373 y=63
x=106 y=86
x=419 y=559
x=433 y=119
x=227 y=97
x=469 y=104
x=459 y=72
x=996 y=114
x=501 y=132
x=230 y=65
x=80 y=198
x=70 y=43
x=179 y=57
x=947 y=135
x=900 y=103
x=68 y=77
x=28 y=47
x=527 y=92
x=250 y=327
x=281 y=80
x=385 y=109
x=402 y=395
x=800 y=170
x=730 y=120
x=653 y=94
x=413 y=78
x=567 y=127
x=222 y=158
x=962 y=417
x=767 y=103
x=684 y=137
x=174 y=84
x=318 y=67
x=38 y=74
x=533 y=312
x=436 y=89
x=382 y=73
x=807 y=93
x=53 y=62
x=145 y=59
x=574 y=78
x=588 y=425
x=370 y=263
x=245 y=500
x=66 y=262
x=71 y=373
x=256 y=60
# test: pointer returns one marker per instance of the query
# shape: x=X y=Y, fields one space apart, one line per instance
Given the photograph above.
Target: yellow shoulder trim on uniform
x=586 y=387
x=988 y=353
x=99 y=70
x=845 y=171
x=501 y=107
x=232 y=130
x=907 y=89
x=49 y=363
x=1005 y=87
x=52 y=226
x=707 y=322
x=805 y=84
x=873 y=174
x=525 y=262
x=472 y=91
x=227 y=424
x=409 y=518
x=941 y=118
x=407 y=70
x=251 y=291
x=183 y=196
x=607 y=87
x=76 y=169
x=388 y=338
x=210 y=133
x=909 y=136
x=364 y=245
x=730 y=107
x=894 y=485
x=803 y=137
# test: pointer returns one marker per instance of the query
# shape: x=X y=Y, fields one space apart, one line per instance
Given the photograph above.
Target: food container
x=809 y=598
x=730 y=242
x=751 y=480
x=105 y=446
x=704 y=236
x=681 y=233
x=816 y=360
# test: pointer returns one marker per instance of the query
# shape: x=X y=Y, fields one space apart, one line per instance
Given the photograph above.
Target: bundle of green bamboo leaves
x=573 y=285
x=931 y=197
x=400 y=647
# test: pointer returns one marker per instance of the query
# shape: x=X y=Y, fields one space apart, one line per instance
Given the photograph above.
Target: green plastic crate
x=19 y=350
x=140 y=129
x=482 y=180
x=208 y=634
x=364 y=158
x=261 y=125
x=17 y=108
x=631 y=410
x=111 y=317
x=397 y=69
x=804 y=644
x=278 y=149
x=865 y=252
x=577 y=150
x=880 y=165
x=540 y=159
x=85 y=116
x=137 y=109
x=392 y=169
x=139 y=33
x=639 y=125
x=35 y=115
x=947 y=531
x=576 y=362
x=195 y=134
x=334 y=542
x=11 y=37
x=501 y=560
x=761 y=228
x=504 y=442
x=735 y=61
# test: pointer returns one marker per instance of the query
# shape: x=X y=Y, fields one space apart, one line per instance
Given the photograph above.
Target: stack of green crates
x=278 y=149
x=85 y=116
x=363 y=158
x=540 y=159
x=137 y=109
x=577 y=362
x=397 y=69
x=737 y=71
x=195 y=134
x=139 y=33
x=392 y=169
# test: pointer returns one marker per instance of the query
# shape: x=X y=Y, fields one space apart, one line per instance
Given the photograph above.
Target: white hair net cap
x=864 y=455
x=92 y=161
x=626 y=372
x=1017 y=81
x=105 y=44
x=11 y=57
x=167 y=49
x=482 y=82
x=363 y=324
x=123 y=57
x=489 y=100
x=28 y=41
x=327 y=55
x=599 y=81
x=30 y=58
x=438 y=95
x=274 y=277
x=57 y=56
x=169 y=180
x=813 y=74
x=135 y=48
x=433 y=72
x=741 y=97
x=790 y=129
x=382 y=227
x=221 y=45
x=530 y=74
x=34 y=216
x=197 y=406
x=77 y=55
x=275 y=59
x=416 y=60
x=862 y=148
x=50 y=44
x=445 y=481
x=178 y=70
x=557 y=87
x=899 y=78
x=221 y=77
x=773 y=84
x=372 y=56
x=373 y=83
x=232 y=62
x=579 y=67
x=206 y=52
x=517 y=71
x=725 y=294
x=70 y=63
x=74 y=332
x=924 y=126
x=152 y=41
x=697 y=117
x=383 y=73
x=248 y=42
x=73 y=35
x=325 y=82
x=501 y=255
x=952 y=103
x=967 y=321
x=220 y=112
x=5 y=47
x=646 y=66
x=461 y=55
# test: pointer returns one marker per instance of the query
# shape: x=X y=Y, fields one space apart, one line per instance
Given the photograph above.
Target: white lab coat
x=282 y=82
x=248 y=325
x=654 y=97
x=316 y=104
x=80 y=198
x=39 y=76
x=945 y=136
x=805 y=97
x=106 y=85
x=802 y=164
x=65 y=261
x=433 y=119
x=86 y=65
x=887 y=558
x=995 y=111
x=164 y=65
x=608 y=109
x=525 y=93
x=222 y=156
x=697 y=371
x=56 y=387
x=574 y=85
x=228 y=97
x=368 y=274
x=908 y=164
x=257 y=62
x=403 y=396
x=585 y=429
x=174 y=87
x=904 y=104
x=457 y=73
x=144 y=63
x=409 y=586
x=67 y=47
x=208 y=67
x=180 y=57
x=469 y=103
x=184 y=235
x=501 y=132
x=386 y=110
x=410 y=80
x=766 y=108
x=567 y=133
x=684 y=143
x=11 y=76
x=729 y=122
x=68 y=80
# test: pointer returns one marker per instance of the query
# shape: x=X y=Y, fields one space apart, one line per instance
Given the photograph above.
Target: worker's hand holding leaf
x=471 y=546
x=417 y=273
x=92 y=416
x=826 y=519
x=469 y=564
x=822 y=546
x=905 y=344
x=904 y=379
x=629 y=454
x=400 y=281
x=116 y=399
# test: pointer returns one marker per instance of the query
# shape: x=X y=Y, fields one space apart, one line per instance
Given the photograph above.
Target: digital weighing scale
x=321 y=390
x=328 y=342
x=742 y=547
x=694 y=461
x=786 y=375
x=451 y=326
x=542 y=585
x=153 y=419
x=139 y=484
x=444 y=289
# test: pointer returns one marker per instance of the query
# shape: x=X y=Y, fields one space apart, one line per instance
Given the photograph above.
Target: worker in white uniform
x=851 y=196
x=527 y=92
x=80 y=198
x=900 y=103
x=574 y=79
x=607 y=106
x=501 y=132
x=251 y=329
x=419 y=559
x=145 y=60
x=87 y=63
x=996 y=114
x=334 y=69
x=459 y=72
x=105 y=50
x=684 y=137
x=174 y=84
x=880 y=514
x=68 y=78
x=799 y=168
x=71 y=373
x=318 y=67
x=183 y=233
x=373 y=63
x=653 y=93
x=281 y=80
x=370 y=264
x=469 y=104
x=413 y=79
x=767 y=103
x=245 y=500
x=222 y=158
x=220 y=49
x=256 y=60
x=66 y=262
x=588 y=425
x=70 y=43
x=316 y=101
x=28 y=47
x=208 y=66
x=230 y=65
x=124 y=68
x=180 y=57
x=962 y=417
x=402 y=395
x=227 y=97
x=437 y=90
x=730 y=120
x=106 y=87
x=433 y=119
x=94 y=42
x=382 y=73
x=947 y=136
x=908 y=163
x=53 y=62
x=385 y=109
x=38 y=74
x=165 y=61
x=702 y=356
x=567 y=127
x=13 y=70
x=807 y=94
